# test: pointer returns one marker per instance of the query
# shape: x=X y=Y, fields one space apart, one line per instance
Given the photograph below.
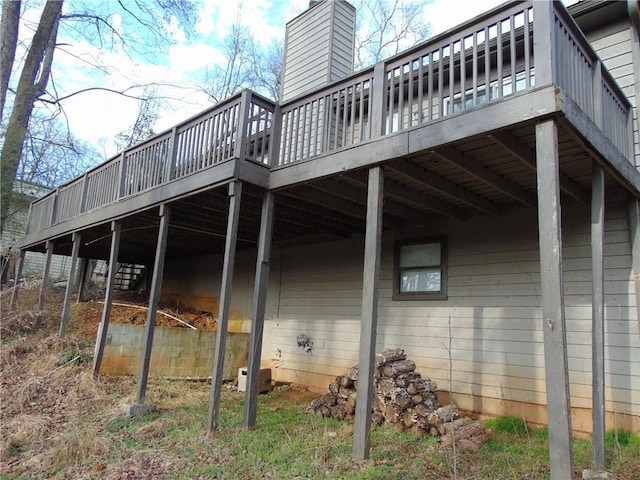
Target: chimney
x=319 y=47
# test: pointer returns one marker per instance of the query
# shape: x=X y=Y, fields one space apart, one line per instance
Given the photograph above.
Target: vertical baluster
x=440 y=82
x=401 y=97
x=430 y=79
x=487 y=63
x=452 y=76
x=345 y=116
x=316 y=129
x=474 y=69
x=420 y=89
x=527 y=50
x=352 y=124
x=512 y=47
x=499 y=58
x=463 y=74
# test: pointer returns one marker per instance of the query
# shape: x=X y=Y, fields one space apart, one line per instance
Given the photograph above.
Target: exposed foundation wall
x=177 y=352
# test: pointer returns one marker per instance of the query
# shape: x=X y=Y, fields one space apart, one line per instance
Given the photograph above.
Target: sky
x=97 y=116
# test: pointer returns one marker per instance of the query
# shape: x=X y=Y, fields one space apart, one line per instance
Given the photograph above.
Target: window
x=420 y=269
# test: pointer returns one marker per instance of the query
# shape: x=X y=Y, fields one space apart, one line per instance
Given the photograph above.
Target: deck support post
x=369 y=320
x=82 y=280
x=66 y=307
x=597 y=316
x=553 y=313
x=156 y=284
x=108 y=297
x=259 y=306
x=235 y=197
x=14 y=293
x=45 y=275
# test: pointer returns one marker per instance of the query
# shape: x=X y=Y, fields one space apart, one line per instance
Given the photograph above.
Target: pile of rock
x=402 y=398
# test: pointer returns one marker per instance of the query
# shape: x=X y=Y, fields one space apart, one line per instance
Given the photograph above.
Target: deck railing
x=489 y=58
x=581 y=74
x=208 y=139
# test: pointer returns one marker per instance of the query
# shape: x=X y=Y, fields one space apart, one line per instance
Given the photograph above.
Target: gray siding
x=493 y=313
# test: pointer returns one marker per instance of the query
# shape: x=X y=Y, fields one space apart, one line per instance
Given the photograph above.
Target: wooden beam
x=422 y=201
x=108 y=297
x=473 y=167
x=402 y=196
x=259 y=306
x=414 y=172
x=553 y=314
x=14 y=293
x=597 y=316
x=66 y=306
x=522 y=152
x=369 y=321
x=45 y=276
x=235 y=198
x=154 y=297
x=338 y=189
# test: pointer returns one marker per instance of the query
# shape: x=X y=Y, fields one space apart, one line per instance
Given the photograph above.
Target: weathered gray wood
x=66 y=306
x=378 y=111
x=597 y=350
x=599 y=147
x=108 y=297
x=156 y=284
x=45 y=276
x=235 y=198
x=16 y=285
x=544 y=44
x=369 y=319
x=528 y=157
x=259 y=306
x=467 y=163
x=553 y=315
x=84 y=274
x=413 y=171
x=214 y=176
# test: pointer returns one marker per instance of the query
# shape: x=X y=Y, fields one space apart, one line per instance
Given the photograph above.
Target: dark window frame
x=439 y=295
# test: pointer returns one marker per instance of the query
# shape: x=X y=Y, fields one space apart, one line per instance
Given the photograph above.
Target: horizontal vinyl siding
x=490 y=324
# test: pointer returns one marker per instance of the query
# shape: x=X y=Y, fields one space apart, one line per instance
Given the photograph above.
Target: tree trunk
x=32 y=83
x=8 y=43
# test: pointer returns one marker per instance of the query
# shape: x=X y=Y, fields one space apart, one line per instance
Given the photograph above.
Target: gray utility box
x=264 y=380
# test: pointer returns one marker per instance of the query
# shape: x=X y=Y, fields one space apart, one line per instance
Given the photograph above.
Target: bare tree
x=237 y=72
x=95 y=26
x=51 y=155
x=142 y=128
x=386 y=27
x=9 y=42
x=267 y=68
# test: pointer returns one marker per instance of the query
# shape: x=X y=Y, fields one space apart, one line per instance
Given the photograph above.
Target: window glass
x=422 y=280
x=425 y=254
x=420 y=269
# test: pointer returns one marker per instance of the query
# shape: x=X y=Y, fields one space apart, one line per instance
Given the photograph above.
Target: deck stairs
x=128 y=276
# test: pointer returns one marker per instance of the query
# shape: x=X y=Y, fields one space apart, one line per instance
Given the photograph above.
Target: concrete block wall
x=177 y=352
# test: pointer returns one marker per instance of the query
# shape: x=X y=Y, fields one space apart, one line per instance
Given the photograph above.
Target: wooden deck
x=452 y=121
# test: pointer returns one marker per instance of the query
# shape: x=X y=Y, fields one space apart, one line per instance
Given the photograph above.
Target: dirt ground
x=50 y=403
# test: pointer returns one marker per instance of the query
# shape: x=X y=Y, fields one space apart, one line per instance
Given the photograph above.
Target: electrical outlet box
x=264 y=380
